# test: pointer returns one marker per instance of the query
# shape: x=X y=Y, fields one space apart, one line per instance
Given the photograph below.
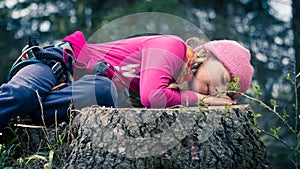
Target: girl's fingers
x=216 y=101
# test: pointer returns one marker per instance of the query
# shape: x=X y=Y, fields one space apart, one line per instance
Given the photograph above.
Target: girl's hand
x=216 y=101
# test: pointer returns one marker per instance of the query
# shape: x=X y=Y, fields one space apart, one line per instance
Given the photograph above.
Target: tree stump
x=212 y=137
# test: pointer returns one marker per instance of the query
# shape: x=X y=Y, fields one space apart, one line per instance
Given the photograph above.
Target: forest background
x=269 y=28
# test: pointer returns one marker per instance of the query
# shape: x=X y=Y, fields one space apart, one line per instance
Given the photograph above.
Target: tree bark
x=213 y=137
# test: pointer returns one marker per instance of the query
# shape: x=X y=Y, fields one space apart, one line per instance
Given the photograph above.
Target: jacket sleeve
x=162 y=59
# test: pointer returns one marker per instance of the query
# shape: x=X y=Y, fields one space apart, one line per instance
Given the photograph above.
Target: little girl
x=153 y=64
x=156 y=71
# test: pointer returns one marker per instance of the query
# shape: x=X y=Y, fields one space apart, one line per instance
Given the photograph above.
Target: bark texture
x=213 y=137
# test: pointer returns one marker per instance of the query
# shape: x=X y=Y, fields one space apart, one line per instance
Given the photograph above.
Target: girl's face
x=211 y=77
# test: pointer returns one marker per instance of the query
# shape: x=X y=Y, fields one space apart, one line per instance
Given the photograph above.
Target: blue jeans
x=29 y=93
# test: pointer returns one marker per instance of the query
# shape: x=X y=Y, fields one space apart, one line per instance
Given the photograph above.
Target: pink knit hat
x=236 y=59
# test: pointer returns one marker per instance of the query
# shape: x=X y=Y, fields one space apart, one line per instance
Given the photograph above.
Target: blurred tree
x=296 y=28
x=7 y=42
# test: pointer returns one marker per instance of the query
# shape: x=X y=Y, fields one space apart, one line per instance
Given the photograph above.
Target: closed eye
x=223 y=80
x=208 y=90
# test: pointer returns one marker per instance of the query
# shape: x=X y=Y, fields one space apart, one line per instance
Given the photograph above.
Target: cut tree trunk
x=213 y=137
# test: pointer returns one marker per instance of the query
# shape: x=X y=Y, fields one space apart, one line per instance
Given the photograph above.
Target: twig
x=29 y=126
x=56 y=128
x=270 y=109
x=43 y=119
x=277 y=138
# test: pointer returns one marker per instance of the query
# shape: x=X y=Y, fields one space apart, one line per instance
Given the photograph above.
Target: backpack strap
x=60 y=64
x=20 y=65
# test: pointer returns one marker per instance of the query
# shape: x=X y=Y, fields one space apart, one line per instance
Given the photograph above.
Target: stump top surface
x=180 y=107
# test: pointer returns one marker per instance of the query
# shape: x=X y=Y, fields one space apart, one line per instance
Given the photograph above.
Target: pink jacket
x=150 y=63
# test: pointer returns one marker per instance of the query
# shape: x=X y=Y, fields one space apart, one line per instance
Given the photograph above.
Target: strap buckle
x=57 y=70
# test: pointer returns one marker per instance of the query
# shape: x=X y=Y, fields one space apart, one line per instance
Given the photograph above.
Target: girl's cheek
x=203 y=89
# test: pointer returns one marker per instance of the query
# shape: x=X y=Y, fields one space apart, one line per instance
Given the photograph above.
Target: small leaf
x=47 y=166
x=263 y=105
x=288 y=77
x=60 y=139
x=257 y=91
x=257 y=115
x=51 y=154
x=275 y=132
x=32 y=157
x=285 y=115
x=234 y=85
x=274 y=104
x=227 y=106
x=20 y=161
x=42 y=153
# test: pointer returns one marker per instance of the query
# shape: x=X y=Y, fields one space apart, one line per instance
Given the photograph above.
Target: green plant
x=6 y=155
x=282 y=116
x=51 y=151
